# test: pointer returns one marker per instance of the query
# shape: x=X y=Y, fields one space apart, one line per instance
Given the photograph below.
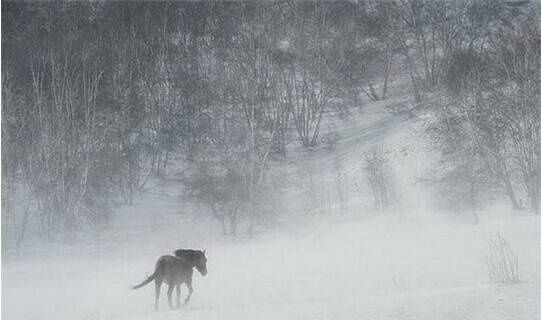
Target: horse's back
x=172 y=268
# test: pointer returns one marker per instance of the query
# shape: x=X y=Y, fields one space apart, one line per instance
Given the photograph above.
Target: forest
x=101 y=97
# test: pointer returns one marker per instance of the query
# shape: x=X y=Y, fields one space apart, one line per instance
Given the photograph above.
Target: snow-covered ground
x=374 y=268
x=343 y=263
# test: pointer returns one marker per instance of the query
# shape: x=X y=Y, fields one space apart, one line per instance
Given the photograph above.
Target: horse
x=176 y=270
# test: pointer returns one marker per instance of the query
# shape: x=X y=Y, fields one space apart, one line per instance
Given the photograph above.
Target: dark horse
x=176 y=270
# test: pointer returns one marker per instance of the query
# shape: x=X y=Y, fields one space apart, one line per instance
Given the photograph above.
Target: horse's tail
x=147 y=281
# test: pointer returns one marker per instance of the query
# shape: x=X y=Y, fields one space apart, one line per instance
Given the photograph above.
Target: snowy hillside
x=373 y=159
x=349 y=263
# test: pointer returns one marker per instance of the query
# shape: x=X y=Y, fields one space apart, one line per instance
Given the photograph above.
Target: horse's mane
x=188 y=253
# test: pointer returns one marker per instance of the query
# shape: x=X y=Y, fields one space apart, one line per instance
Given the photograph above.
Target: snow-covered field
x=354 y=265
x=375 y=268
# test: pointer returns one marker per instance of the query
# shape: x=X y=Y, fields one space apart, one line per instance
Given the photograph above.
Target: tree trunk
x=20 y=238
x=509 y=188
x=386 y=79
x=534 y=197
x=373 y=92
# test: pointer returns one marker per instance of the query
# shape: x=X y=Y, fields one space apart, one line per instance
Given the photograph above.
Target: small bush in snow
x=380 y=177
x=501 y=261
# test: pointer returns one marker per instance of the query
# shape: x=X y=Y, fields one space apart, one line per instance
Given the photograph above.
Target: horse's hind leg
x=178 y=295
x=158 y=284
x=190 y=290
x=170 y=294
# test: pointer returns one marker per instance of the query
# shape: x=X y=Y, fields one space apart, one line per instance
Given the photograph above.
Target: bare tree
x=380 y=178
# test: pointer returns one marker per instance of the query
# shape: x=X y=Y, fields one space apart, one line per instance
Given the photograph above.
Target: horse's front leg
x=190 y=290
x=178 y=295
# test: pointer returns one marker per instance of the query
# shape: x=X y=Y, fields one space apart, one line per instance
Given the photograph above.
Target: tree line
x=98 y=97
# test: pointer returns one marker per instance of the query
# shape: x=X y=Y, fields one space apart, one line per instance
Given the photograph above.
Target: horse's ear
x=204 y=251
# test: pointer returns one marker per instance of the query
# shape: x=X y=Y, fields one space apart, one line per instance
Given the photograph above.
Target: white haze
x=409 y=263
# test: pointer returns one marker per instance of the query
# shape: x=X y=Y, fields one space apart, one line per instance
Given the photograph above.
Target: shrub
x=501 y=261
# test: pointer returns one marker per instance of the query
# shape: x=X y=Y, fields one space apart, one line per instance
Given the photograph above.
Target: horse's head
x=201 y=263
x=196 y=258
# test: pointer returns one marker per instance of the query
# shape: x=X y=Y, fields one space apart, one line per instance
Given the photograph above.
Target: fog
x=377 y=268
x=331 y=160
x=410 y=262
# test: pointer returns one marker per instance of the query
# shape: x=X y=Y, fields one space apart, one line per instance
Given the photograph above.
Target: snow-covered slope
x=345 y=262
